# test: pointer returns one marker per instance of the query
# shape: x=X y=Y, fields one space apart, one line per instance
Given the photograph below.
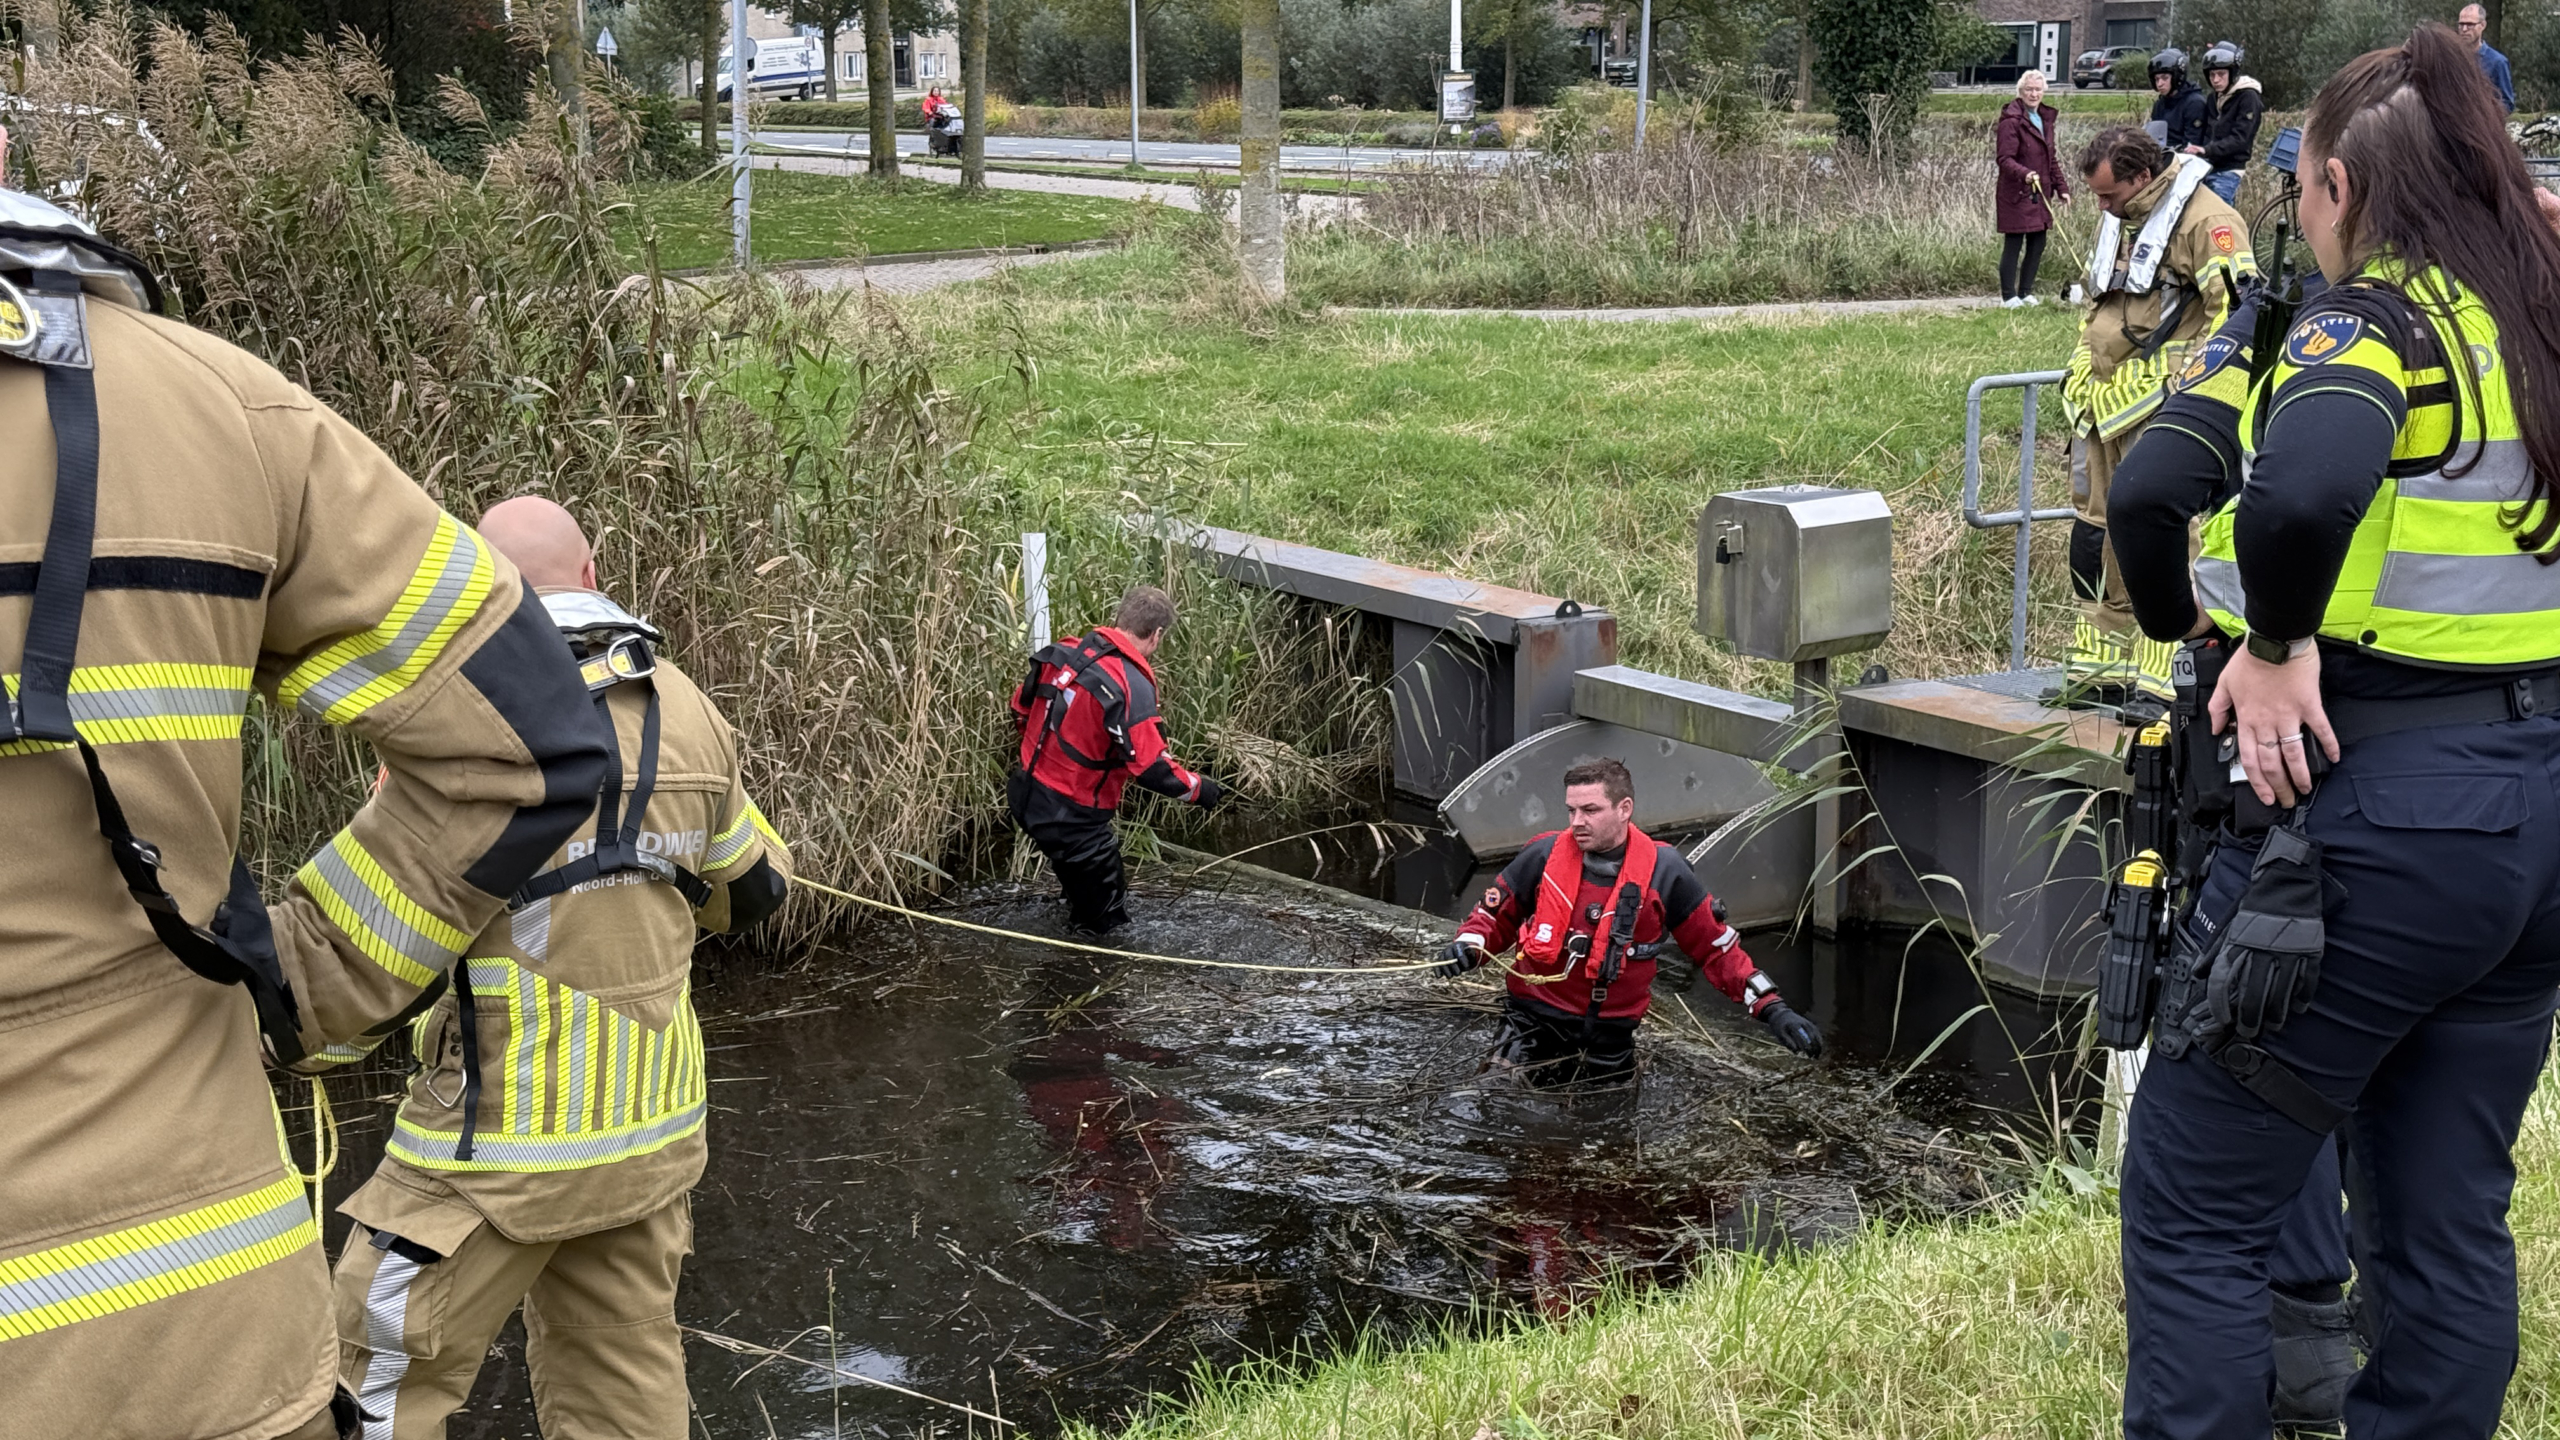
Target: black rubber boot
x=2315 y=1363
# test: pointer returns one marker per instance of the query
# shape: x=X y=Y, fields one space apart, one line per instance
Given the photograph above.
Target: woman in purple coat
x=2030 y=186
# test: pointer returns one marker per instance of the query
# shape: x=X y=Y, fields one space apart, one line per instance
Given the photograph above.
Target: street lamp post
x=741 y=188
x=1133 y=84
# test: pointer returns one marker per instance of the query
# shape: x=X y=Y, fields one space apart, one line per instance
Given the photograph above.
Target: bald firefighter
x=545 y=1150
x=179 y=526
x=2164 y=272
x=1591 y=907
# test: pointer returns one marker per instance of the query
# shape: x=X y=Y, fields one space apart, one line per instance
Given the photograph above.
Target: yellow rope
x=324 y=1141
x=1500 y=963
x=1400 y=967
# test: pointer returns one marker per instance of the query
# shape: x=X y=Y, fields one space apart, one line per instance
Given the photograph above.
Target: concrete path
x=913 y=277
x=1322 y=208
x=1792 y=309
x=1155 y=154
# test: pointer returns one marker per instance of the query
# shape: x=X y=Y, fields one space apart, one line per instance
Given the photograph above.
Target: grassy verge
x=1306 y=183
x=800 y=216
x=1563 y=456
x=2001 y=1326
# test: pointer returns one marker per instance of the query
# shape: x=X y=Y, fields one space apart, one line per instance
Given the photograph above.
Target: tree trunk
x=1804 y=57
x=883 y=88
x=710 y=78
x=1510 y=67
x=1261 y=240
x=973 y=101
x=562 y=59
x=2493 y=17
x=827 y=43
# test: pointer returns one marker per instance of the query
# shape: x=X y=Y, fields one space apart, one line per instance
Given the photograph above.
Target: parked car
x=2097 y=67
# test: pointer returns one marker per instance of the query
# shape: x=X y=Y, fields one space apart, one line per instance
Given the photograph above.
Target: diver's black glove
x=1457 y=958
x=1212 y=794
x=1793 y=1030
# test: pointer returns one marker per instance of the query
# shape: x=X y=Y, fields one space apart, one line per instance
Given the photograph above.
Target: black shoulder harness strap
x=1084 y=660
x=238 y=948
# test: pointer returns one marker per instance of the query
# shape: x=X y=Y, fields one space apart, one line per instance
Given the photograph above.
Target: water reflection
x=1009 y=1176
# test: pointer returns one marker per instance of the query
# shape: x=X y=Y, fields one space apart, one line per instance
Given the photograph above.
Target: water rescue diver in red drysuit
x=1590 y=906
x=1089 y=726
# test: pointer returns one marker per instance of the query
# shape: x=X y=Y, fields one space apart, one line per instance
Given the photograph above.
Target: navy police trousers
x=2432 y=1017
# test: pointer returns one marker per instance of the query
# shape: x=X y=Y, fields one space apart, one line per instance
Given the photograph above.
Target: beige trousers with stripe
x=599 y=1319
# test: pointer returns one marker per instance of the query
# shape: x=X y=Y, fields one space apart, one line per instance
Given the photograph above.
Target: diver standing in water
x=1089 y=726
x=1590 y=907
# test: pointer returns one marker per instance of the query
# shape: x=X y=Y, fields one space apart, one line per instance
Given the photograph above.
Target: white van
x=793 y=67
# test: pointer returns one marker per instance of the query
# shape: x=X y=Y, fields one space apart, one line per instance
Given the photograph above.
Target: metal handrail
x=2026 y=513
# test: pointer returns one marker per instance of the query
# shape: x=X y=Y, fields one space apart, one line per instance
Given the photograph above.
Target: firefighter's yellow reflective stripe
x=394 y=931
x=577 y=1083
x=344 y=1054
x=135 y=1266
x=734 y=842
x=370 y=666
x=127 y=704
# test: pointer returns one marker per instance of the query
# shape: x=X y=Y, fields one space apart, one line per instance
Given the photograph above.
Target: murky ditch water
x=1050 y=1184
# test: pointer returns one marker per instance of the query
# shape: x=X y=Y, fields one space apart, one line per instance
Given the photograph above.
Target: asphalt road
x=1154 y=154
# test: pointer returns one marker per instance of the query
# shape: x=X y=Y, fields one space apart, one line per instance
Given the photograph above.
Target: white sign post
x=741 y=188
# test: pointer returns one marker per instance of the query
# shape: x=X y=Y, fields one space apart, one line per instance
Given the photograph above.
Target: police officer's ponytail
x=2435 y=180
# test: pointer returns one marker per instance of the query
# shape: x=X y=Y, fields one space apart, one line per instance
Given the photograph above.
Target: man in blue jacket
x=2474 y=25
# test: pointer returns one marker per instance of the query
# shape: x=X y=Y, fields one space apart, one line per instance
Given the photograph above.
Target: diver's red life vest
x=1564 y=909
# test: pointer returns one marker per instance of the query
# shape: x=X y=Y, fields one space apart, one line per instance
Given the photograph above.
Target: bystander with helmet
x=2235 y=106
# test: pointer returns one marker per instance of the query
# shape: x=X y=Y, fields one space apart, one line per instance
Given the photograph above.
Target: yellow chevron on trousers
x=392 y=930
x=154 y=700
x=134 y=1266
x=366 y=668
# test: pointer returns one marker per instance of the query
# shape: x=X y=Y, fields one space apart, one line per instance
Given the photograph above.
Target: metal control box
x=1796 y=572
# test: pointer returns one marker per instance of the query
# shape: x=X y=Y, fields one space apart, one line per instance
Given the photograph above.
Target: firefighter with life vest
x=2187 y=464
x=1090 y=725
x=1590 y=907
x=545 y=1150
x=2164 y=271
x=185 y=527
x=2376 y=941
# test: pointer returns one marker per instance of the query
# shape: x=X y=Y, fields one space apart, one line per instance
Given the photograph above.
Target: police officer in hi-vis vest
x=181 y=525
x=545 y=1149
x=2377 y=940
x=1591 y=907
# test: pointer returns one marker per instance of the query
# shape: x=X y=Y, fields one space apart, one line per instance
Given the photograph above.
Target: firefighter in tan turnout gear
x=181 y=525
x=544 y=1154
x=2164 y=272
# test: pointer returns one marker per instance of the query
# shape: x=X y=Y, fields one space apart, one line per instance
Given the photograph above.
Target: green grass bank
x=1564 y=456
x=802 y=216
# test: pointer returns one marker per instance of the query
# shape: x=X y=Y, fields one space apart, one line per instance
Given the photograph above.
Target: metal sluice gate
x=1962 y=802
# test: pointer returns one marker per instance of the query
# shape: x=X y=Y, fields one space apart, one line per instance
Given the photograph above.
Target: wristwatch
x=2277 y=652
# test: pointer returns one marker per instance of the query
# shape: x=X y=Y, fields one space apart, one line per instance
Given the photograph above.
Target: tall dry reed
x=771 y=474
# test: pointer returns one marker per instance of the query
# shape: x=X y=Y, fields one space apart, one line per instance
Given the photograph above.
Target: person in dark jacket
x=1090 y=726
x=2030 y=185
x=2231 y=120
x=2181 y=108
